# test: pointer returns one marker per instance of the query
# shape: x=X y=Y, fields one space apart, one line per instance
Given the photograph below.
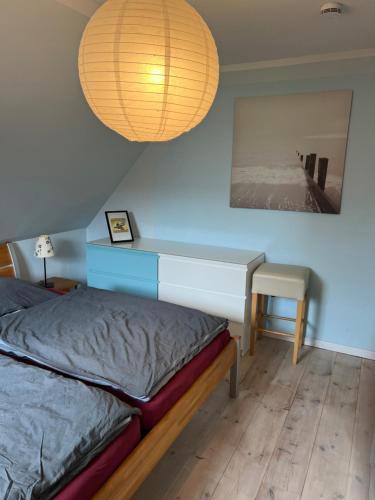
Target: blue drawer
x=122 y=262
x=143 y=288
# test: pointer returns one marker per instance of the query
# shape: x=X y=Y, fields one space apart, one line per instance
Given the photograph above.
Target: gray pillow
x=17 y=294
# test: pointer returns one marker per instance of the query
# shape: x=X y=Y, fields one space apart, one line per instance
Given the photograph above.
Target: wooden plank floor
x=305 y=432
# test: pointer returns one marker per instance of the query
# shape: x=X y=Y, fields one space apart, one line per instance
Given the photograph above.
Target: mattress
x=88 y=482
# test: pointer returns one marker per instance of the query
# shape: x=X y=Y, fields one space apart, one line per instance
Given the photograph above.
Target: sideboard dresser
x=216 y=280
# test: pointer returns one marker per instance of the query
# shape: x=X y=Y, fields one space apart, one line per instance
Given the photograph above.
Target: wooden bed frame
x=7 y=261
x=133 y=471
x=125 y=481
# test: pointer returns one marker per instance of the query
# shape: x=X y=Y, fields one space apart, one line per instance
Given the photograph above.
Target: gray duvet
x=50 y=429
x=132 y=344
x=16 y=295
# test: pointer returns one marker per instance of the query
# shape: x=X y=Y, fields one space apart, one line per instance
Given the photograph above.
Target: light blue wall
x=180 y=190
x=69 y=260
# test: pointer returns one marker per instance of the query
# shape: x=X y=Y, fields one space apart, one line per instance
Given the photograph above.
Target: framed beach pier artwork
x=289 y=151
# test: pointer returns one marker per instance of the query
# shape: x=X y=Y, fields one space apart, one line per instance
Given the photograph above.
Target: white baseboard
x=328 y=346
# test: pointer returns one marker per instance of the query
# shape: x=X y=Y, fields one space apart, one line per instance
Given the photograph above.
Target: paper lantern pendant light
x=149 y=69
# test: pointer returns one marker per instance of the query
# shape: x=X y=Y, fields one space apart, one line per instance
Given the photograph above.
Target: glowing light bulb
x=157 y=76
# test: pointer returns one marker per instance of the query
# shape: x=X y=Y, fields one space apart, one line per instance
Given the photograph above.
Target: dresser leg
x=234 y=380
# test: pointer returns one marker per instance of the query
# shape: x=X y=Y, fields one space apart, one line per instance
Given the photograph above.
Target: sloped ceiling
x=58 y=163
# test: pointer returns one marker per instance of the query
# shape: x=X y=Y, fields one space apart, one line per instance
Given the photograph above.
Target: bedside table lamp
x=44 y=250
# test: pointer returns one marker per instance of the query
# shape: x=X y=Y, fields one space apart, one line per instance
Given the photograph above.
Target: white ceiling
x=257 y=30
x=85 y=7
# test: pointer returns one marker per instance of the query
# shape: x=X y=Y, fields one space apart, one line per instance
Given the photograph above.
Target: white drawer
x=203 y=274
x=219 y=304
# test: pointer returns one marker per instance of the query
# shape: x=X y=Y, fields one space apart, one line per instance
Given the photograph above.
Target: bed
x=155 y=409
x=168 y=399
x=8 y=267
x=130 y=344
x=69 y=437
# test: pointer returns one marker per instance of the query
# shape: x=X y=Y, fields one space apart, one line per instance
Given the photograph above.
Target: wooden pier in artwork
x=317 y=188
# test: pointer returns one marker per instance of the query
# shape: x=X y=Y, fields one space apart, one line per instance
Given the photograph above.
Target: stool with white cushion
x=279 y=280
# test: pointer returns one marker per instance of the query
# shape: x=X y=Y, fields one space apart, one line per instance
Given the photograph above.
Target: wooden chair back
x=7 y=265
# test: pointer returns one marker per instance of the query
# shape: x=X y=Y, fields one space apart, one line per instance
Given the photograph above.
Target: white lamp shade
x=149 y=69
x=43 y=247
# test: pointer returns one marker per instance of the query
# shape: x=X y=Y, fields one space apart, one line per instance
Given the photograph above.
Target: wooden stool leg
x=298 y=331
x=254 y=322
x=262 y=311
x=303 y=323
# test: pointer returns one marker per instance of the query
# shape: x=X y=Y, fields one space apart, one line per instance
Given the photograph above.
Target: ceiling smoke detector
x=331 y=9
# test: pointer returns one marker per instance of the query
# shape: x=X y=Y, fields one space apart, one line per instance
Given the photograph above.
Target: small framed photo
x=119 y=227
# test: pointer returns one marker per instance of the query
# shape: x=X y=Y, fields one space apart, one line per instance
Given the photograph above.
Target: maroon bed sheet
x=88 y=482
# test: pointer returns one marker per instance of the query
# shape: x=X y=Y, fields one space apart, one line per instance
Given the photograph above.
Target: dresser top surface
x=190 y=250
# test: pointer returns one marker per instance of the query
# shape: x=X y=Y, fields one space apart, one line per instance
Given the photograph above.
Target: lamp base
x=48 y=284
